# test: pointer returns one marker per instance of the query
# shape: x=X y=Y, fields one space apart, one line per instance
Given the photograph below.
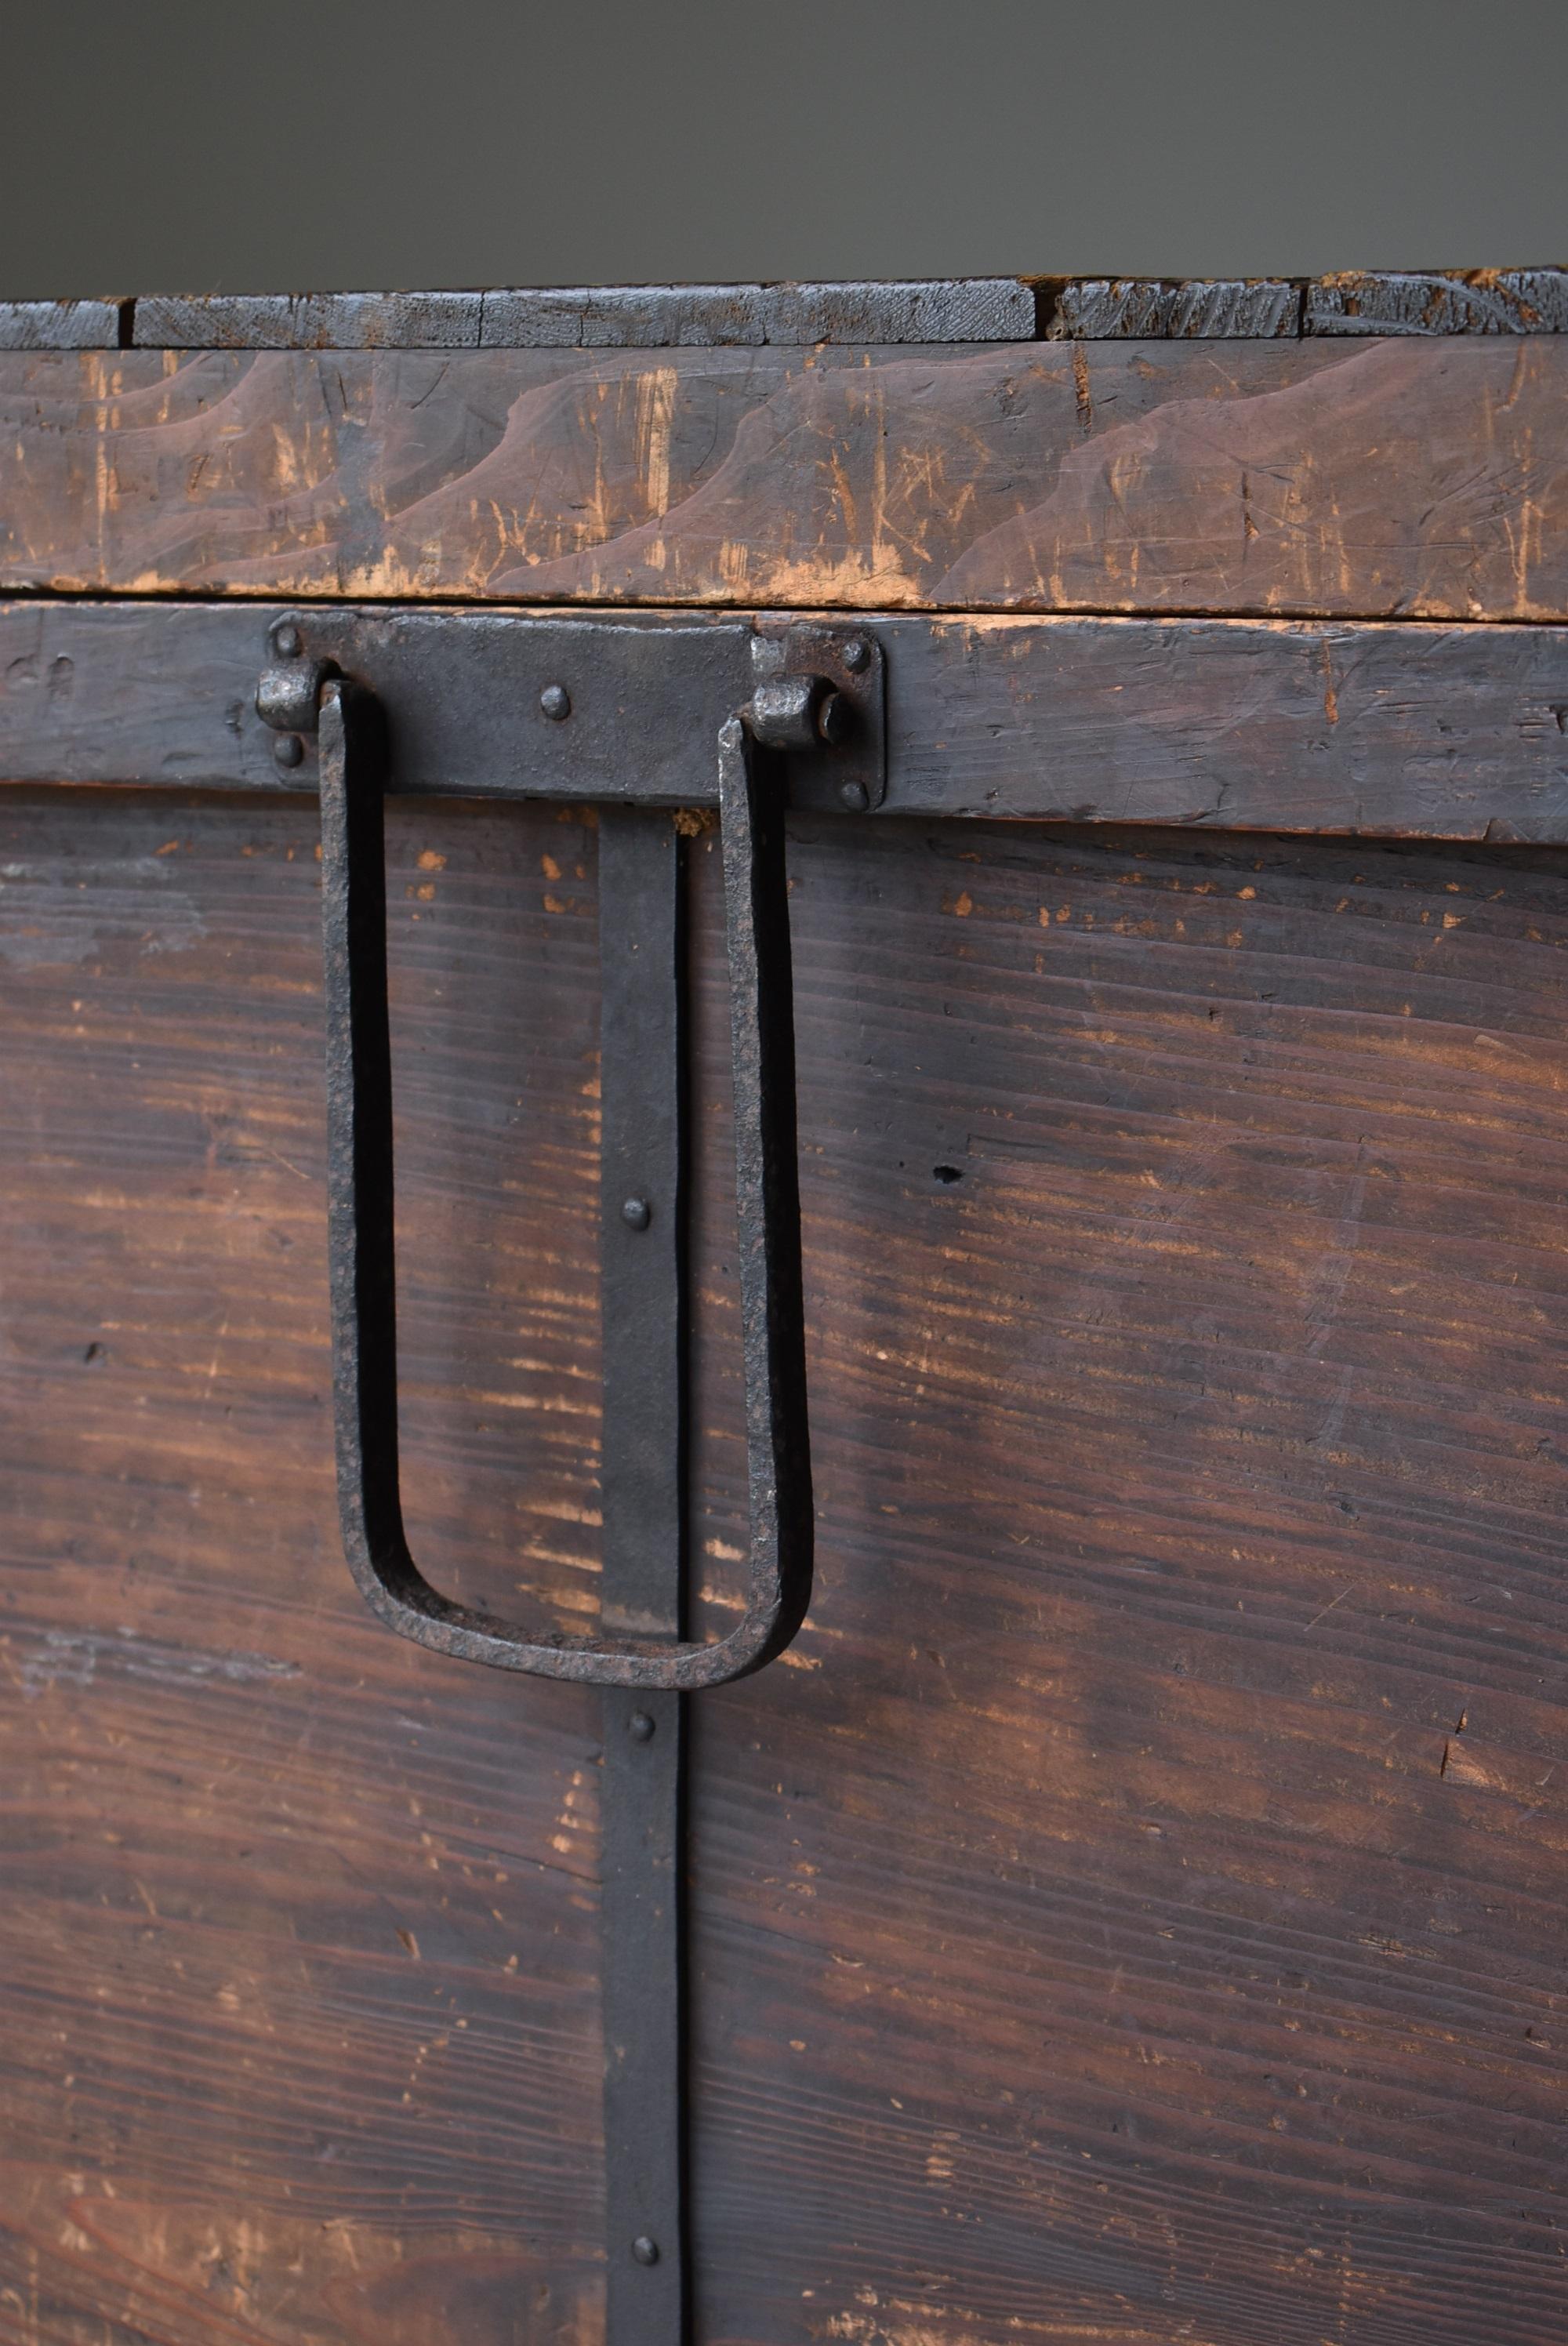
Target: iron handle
x=354 y=774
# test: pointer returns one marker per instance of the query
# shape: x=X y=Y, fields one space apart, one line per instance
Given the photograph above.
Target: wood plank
x=1467 y=302
x=1106 y=1923
x=1398 y=478
x=299 y=2038
x=1134 y=1911
x=62 y=325
x=602 y=317
x=1136 y=308
x=961 y=309
x=1409 y=729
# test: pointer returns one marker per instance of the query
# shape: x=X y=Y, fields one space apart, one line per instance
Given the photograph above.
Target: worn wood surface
x=62 y=325
x=1407 y=729
x=1136 y=308
x=1468 y=301
x=299 y=2026
x=960 y=310
x=1134 y=1911
x=1393 y=478
x=619 y=317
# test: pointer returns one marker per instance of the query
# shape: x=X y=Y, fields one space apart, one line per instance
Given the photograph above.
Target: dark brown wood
x=1134 y=1911
x=1131 y=1913
x=1237 y=725
x=1233 y=725
x=299 y=1939
x=1396 y=478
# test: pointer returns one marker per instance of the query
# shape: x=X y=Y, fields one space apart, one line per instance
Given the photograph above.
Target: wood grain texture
x=298 y=2027
x=1131 y=1913
x=1467 y=302
x=61 y=325
x=1090 y=309
x=604 y=317
x=961 y=309
x=1134 y=1912
x=1233 y=725
x=1402 y=729
x=1396 y=478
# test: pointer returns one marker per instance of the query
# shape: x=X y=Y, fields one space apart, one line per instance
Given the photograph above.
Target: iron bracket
x=621 y=710
x=810 y=726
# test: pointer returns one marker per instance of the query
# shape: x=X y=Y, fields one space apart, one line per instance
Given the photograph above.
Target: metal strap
x=642 y=1478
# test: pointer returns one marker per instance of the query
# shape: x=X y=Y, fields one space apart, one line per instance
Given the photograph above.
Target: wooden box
x=1127 y=1913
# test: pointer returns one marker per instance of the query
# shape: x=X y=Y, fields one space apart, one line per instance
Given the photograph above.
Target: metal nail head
x=636 y=1213
x=857 y=655
x=854 y=796
x=286 y=641
x=288 y=750
x=645 y=2251
x=557 y=702
x=640 y=1726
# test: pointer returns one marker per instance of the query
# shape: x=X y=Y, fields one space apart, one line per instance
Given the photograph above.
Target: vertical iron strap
x=644 y=1659
x=642 y=1481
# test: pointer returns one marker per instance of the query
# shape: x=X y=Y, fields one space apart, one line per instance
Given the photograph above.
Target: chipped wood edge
x=95 y=325
x=933 y=311
x=992 y=308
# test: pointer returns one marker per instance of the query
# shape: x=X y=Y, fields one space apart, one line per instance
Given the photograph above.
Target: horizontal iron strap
x=1385 y=728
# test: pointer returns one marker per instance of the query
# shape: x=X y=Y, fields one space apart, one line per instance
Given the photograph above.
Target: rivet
x=640 y=1726
x=645 y=2251
x=287 y=749
x=857 y=655
x=636 y=1213
x=286 y=641
x=557 y=702
x=854 y=796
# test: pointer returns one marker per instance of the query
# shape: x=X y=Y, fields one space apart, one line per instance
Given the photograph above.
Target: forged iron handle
x=353 y=772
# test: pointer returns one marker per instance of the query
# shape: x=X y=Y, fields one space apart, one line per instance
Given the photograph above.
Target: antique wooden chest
x=947 y=899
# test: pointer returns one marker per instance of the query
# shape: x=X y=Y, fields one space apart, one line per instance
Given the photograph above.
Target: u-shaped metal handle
x=353 y=771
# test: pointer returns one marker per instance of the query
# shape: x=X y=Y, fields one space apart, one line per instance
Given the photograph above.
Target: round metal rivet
x=636 y=1213
x=857 y=655
x=645 y=2251
x=640 y=1726
x=287 y=749
x=854 y=796
x=555 y=702
x=286 y=641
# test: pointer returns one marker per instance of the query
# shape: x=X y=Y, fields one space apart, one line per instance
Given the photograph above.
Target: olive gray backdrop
x=195 y=146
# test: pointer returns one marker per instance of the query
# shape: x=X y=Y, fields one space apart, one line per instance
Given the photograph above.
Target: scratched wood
x=1134 y=1912
x=1395 y=476
x=1403 y=728
x=299 y=2034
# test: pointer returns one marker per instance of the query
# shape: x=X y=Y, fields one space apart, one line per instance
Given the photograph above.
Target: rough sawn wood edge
x=959 y=310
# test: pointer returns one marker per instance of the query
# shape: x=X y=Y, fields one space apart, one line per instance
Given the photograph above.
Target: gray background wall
x=197 y=146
